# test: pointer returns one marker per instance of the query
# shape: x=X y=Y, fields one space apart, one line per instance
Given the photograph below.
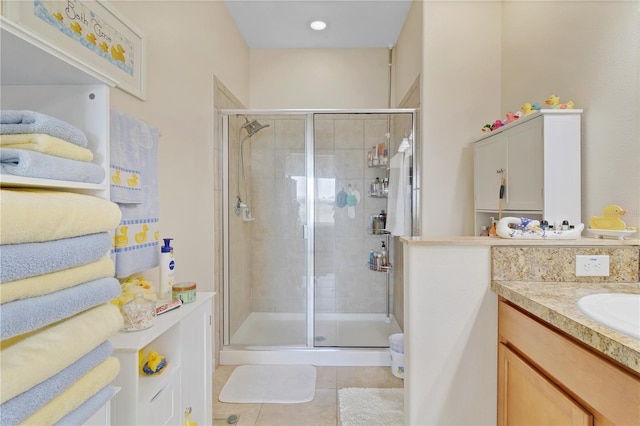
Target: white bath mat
x=270 y=384
x=371 y=406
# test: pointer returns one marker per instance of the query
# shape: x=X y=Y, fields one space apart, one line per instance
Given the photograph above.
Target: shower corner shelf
x=380 y=232
x=372 y=195
x=383 y=269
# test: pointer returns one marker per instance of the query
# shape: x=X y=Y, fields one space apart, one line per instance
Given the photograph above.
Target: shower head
x=252 y=127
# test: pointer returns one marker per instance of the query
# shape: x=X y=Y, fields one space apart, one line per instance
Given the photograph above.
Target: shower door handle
x=305 y=232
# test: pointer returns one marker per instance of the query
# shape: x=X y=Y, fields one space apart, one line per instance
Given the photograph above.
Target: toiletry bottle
x=371 y=259
x=385 y=254
x=383 y=219
x=167 y=270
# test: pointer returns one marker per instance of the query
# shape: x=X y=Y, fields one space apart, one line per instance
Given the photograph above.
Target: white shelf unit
x=37 y=76
x=34 y=75
x=183 y=336
x=539 y=157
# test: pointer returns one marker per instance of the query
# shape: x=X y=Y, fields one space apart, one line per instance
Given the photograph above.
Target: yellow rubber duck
x=122 y=240
x=116 y=178
x=118 y=53
x=141 y=237
x=133 y=181
x=76 y=28
x=91 y=38
x=610 y=219
x=156 y=235
x=554 y=102
x=58 y=16
x=528 y=109
x=155 y=363
x=104 y=46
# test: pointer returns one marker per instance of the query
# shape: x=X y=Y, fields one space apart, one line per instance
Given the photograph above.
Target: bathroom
x=452 y=108
x=442 y=44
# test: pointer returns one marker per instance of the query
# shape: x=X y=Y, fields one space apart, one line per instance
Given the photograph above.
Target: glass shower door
x=267 y=279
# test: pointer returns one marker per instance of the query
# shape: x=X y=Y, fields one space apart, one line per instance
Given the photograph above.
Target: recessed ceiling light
x=318 y=25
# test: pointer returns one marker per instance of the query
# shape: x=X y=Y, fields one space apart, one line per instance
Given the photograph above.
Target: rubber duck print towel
x=134 y=164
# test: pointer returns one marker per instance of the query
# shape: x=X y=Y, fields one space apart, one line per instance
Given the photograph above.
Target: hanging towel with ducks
x=134 y=164
x=128 y=147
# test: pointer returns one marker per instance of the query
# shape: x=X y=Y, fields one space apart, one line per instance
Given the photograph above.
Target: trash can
x=396 y=349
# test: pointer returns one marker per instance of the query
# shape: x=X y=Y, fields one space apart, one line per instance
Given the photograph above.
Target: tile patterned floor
x=322 y=411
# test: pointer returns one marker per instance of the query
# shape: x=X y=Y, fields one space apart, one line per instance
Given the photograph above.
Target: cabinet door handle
x=158 y=394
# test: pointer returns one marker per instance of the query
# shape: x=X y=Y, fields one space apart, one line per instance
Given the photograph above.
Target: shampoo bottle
x=167 y=270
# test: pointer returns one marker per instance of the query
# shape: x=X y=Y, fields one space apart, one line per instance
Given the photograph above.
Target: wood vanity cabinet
x=548 y=378
x=539 y=158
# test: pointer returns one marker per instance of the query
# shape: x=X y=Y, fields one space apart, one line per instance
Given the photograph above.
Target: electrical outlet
x=592 y=266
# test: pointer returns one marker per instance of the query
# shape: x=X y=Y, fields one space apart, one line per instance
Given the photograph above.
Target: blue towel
x=137 y=245
x=88 y=408
x=23 y=121
x=23 y=316
x=21 y=162
x=30 y=259
x=25 y=404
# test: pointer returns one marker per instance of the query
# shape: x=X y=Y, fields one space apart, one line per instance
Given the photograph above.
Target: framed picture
x=91 y=32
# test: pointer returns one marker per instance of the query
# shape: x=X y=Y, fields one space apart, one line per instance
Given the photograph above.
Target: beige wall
x=319 y=78
x=461 y=88
x=589 y=53
x=187 y=44
x=408 y=53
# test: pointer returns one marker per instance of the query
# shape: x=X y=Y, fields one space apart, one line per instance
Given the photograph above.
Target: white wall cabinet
x=183 y=336
x=539 y=158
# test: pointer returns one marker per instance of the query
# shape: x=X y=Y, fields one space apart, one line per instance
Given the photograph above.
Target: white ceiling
x=283 y=24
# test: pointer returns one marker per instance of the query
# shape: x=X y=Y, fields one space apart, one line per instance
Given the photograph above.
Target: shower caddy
x=373 y=230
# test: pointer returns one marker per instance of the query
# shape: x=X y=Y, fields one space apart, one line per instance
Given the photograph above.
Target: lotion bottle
x=167 y=270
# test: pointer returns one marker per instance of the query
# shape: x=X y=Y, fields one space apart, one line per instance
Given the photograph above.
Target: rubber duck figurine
x=155 y=364
x=554 y=102
x=610 y=219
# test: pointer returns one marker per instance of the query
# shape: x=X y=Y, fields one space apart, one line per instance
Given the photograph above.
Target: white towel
x=399 y=199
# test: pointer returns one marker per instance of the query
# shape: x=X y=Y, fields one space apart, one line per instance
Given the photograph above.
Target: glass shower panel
x=267 y=301
x=351 y=301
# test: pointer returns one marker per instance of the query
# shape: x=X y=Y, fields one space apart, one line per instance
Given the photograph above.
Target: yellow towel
x=84 y=388
x=55 y=281
x=37 y=215
x=47 y=145
x=28 y=359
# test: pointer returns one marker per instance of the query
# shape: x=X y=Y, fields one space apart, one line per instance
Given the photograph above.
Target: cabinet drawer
x=609 y=392
x=162 y=408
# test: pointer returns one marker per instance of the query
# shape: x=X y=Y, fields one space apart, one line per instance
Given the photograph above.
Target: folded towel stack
x=56 y=282
x=36 y=145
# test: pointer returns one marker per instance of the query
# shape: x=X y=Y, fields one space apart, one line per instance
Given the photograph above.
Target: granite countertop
x=555 y=303
x=496 y=241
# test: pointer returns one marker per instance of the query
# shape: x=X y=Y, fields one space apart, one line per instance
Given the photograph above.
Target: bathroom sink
x=619 y=311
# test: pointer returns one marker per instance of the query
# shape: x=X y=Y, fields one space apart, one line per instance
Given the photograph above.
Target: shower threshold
x=340 y=339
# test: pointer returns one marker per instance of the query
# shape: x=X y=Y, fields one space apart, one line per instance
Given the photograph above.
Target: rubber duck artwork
x=122 y=239
x=118 y=53
x=155 y=364
x=91 y=38
x=103 y=46
x=610 y=219
x=141 y=237
x=116 y=178
x=76 y=28
x=133 y=181
x=58 y=16
x=554 y=102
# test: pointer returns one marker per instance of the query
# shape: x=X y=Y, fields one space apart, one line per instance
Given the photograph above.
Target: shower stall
x=298 y=204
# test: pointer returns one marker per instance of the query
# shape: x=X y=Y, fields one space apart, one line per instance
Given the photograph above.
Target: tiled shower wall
x=274 y=256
